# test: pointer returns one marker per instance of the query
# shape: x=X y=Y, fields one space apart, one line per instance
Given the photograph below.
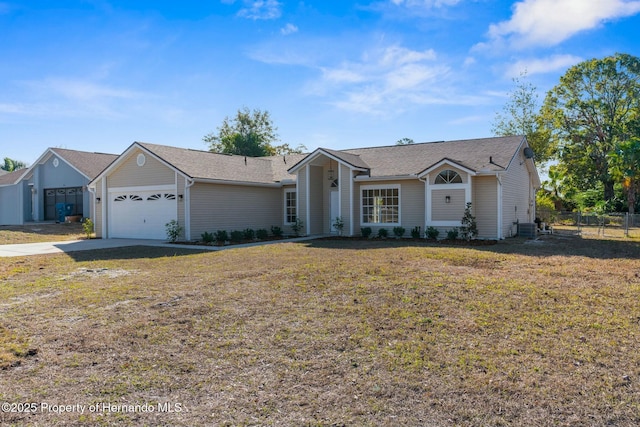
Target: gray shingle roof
x=411 y=159
x=205 y=165
x=90 y=164
x=11 y=177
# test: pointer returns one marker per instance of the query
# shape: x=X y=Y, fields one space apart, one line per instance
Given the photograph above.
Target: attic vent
x=141 y=160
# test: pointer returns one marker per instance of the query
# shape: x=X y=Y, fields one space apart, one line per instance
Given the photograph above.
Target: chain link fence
x=612 y=224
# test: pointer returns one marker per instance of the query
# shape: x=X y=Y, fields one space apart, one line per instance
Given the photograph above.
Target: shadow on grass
x=131 y=252
x=544 y=246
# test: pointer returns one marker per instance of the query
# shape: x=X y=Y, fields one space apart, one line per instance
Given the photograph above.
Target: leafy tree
x=11 y=165
x=249 y=133
x=405 y=141
x=589 y=113
x=626 y=167
x=520 y=116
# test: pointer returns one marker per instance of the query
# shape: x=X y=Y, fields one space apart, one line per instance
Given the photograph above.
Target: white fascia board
x=320 y=152
x=450 y=163
x=365 y=178
x=122 y=157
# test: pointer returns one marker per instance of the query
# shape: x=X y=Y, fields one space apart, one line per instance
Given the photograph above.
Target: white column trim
x=307 y=226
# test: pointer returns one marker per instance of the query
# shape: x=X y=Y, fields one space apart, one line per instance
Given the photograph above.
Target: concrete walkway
x=26 y=249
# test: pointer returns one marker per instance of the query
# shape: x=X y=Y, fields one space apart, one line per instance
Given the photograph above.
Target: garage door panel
x=141 y=215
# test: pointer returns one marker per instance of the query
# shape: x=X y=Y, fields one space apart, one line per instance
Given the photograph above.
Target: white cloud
x=383 y=80
x=550 y=22
x=542 y=65
x=86 y=91
x=288 y=29
x=261 y=9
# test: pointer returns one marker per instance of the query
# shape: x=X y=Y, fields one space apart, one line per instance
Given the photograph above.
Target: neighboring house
x=150 y=185
x=58 y=176
x=425 y=185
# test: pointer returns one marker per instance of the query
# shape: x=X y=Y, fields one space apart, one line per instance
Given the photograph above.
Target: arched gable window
x=448 y=176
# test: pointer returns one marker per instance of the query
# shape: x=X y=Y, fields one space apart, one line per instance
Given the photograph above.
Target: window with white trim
x=290 y=212
x=448 y=176
x=380 y=204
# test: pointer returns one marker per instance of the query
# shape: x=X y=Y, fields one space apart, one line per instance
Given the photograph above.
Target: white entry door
x=334 y=210
x=141 y=214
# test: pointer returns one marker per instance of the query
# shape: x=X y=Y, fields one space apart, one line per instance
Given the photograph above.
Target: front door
x=334 y=210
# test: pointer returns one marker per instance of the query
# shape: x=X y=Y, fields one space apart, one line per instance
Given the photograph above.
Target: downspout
x=307 y=200
x=340 y=187
x=104 y=202
x=351 y=218
x=92 y=191
x=427 y=217
x=499 y=207
x=187 y=208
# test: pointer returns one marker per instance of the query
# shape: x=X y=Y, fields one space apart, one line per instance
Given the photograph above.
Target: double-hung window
x=290 y=212
x=380 y=204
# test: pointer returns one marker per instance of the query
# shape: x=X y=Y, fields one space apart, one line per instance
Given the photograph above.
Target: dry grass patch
x=35 y=233
x=330 y=333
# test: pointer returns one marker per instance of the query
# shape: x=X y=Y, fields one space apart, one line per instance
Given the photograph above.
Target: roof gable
x=207 y=166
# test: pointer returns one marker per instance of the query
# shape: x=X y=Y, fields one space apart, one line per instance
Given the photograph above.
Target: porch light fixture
x=97 y=199
x=447 y=199
x=180 y=196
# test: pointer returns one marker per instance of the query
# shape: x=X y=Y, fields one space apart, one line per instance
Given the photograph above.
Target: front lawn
x=41 y=232
x=326 y=333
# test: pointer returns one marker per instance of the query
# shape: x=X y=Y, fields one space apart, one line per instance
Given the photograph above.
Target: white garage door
x=141 y=214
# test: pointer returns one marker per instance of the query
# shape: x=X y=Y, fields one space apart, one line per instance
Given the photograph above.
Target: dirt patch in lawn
x=328 y=333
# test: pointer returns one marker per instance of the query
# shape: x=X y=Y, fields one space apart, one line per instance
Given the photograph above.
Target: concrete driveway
x=26 y=249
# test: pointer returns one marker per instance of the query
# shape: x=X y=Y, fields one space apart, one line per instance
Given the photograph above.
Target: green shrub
x=207 y=237
x=432 y=233
x=276 y=231
x=338 y=224
x=262 y=234
x=452 y=234
x=221 y=236
x=248 y=234
x=366 y=232
x=382 y=233
x=398 y=231
x=236 y=236
x=297 y=226
x=173 y=230
x=87 y=227
x=416 y=232
x=469 y=227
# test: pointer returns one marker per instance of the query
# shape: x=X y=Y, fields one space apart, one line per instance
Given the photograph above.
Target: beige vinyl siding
x=316 y=203
x=233 y=207
x=516 y=197
x=452 y=211
x=129 y=174
x=485 y=206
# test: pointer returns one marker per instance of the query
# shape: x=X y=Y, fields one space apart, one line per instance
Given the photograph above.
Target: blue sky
x=97 y=75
